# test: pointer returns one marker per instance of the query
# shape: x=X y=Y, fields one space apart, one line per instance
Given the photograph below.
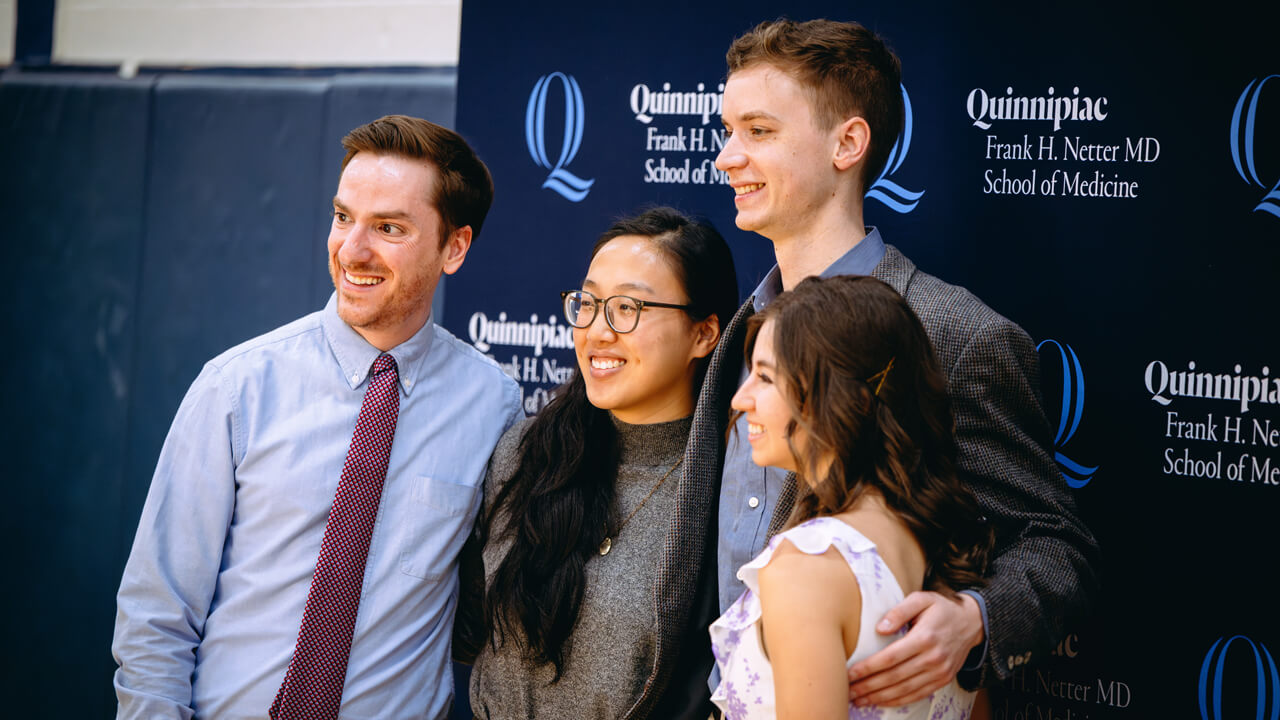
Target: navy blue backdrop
x=1104 y=175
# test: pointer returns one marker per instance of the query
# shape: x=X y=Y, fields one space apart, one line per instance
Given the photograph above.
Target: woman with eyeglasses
x=845 y=391
x=579 y=499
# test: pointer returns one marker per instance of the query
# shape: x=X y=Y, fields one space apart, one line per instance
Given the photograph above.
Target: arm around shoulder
x=172 y=570
x=1041 y=577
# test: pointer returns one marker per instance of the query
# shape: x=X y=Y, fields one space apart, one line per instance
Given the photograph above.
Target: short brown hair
x=465 y=189
x=847 y=69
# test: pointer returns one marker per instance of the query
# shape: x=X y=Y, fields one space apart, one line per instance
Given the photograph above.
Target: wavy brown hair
x=889 y=433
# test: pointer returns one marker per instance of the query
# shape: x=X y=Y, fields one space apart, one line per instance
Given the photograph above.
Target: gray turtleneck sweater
x=613 y=642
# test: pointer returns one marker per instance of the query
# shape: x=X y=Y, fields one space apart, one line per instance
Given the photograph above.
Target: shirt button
x=355 y=377
x=754 y=502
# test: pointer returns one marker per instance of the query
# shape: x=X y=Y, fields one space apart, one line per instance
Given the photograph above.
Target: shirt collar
x=861 y=259
x=355 y=355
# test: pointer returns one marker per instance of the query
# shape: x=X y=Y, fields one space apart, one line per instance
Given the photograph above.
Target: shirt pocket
x=443 y=513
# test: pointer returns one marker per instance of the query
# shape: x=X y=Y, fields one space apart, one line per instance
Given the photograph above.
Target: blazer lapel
x=782 y=511
x=680 y=564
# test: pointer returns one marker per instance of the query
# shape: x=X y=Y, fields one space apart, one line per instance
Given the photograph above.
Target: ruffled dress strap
x=879 y=588
x=746 y=688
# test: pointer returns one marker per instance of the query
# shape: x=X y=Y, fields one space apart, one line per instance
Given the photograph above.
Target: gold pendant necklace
x=607 y=544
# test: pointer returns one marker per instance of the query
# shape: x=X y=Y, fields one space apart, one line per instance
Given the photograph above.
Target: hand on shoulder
x=943 y=631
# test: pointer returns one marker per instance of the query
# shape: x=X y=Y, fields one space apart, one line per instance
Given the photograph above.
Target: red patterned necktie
x=312 y=688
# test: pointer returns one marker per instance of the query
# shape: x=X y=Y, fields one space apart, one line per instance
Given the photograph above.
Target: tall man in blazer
x=811 y=111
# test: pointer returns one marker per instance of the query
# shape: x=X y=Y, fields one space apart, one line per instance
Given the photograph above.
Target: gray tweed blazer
x=1042 y=579
x=1041 y=582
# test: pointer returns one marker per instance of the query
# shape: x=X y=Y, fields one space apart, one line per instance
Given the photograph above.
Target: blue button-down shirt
x=749 y=493
x=213 y=593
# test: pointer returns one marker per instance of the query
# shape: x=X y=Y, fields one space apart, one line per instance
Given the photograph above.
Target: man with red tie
x=297 y=553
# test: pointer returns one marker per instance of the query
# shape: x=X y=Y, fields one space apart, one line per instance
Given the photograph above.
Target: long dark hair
x=863 y=383
x=562 y=493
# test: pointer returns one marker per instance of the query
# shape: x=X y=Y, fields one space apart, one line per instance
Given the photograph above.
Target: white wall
x=8 y=23
x=248 y=33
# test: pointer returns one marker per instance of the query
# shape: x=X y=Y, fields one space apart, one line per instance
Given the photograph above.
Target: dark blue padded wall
x=233 y=234
x=160 y=220
x=74 y=153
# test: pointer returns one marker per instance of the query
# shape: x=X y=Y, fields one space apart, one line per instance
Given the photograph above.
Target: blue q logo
x=572 y=187
x=1076 y=475
x=886 y=191
x=1248 y=170
x=1267 y=679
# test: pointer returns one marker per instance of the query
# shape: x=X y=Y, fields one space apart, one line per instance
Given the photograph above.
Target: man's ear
x=852 y=140
x=455 y=249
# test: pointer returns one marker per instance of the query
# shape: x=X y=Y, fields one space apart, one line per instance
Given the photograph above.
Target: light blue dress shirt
x=213 y=593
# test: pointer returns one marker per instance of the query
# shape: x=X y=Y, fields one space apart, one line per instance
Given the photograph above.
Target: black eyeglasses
x=622 y=312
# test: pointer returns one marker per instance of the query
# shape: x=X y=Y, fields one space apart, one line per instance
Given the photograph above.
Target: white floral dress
x=746 y=686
